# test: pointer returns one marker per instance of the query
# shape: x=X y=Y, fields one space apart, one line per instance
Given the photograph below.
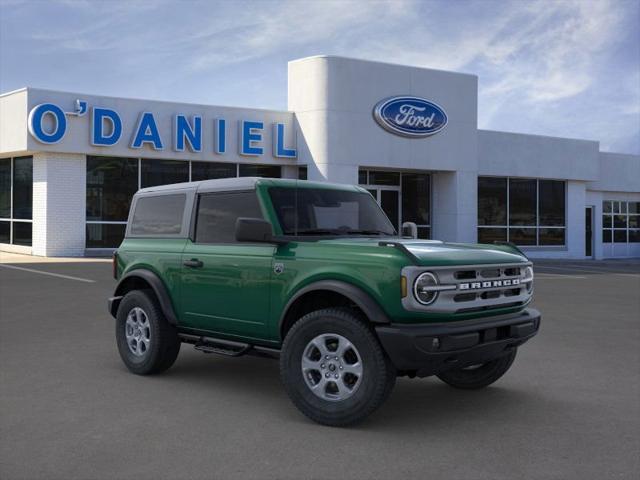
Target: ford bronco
x=316 y=275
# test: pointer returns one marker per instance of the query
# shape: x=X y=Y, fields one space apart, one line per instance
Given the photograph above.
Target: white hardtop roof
x=233 y=183
x=240 y=183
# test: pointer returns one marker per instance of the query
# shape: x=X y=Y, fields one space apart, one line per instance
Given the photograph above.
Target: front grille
x=473 y=288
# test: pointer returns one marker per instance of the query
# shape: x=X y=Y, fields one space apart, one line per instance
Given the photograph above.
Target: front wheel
x=333 y=367
x=479 y=376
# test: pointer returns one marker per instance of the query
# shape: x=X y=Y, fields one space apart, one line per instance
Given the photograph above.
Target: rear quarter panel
x=160 y=256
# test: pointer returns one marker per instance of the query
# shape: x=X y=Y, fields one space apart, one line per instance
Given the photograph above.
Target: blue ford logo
x=410 y=116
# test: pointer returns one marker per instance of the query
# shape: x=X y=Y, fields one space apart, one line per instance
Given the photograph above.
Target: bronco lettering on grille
x=488 y=284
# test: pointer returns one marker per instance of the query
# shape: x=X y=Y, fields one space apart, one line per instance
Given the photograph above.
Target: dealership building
x=70 y=163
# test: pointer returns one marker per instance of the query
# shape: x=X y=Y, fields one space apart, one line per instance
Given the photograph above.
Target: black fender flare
x=362 y=299
x=157 y=286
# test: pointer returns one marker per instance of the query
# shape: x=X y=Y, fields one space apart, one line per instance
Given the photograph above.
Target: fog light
x=435 y=343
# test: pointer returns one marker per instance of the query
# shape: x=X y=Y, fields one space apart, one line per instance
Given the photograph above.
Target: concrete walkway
x=7 y=257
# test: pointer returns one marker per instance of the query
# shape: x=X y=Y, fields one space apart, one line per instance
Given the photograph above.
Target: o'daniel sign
x=48 y=123
x=411 y=117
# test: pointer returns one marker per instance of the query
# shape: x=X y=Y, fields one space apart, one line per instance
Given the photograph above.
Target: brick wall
x=59 y=204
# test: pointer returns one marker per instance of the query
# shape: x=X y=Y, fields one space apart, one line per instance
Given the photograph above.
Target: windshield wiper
x=339 y=231
x=318 y=231
x=369 y=232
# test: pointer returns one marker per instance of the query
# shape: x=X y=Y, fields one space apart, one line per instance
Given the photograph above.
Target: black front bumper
x=428 y=349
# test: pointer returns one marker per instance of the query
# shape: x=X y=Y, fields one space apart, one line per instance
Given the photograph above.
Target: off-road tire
x=480 y=377
x=378 y=376
x=164 y=341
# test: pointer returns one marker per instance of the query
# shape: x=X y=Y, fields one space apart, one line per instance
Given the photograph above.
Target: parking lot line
x=557 y=275
x=583 y=270
x=67 y=277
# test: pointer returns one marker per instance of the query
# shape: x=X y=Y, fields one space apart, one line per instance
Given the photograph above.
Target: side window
x=158 y=215
x=218 y=212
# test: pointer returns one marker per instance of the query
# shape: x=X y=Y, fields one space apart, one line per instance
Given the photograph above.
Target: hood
x=436 y=253
x=442 y=254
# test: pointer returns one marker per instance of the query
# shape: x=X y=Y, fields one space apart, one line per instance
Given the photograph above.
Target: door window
x=218 y=212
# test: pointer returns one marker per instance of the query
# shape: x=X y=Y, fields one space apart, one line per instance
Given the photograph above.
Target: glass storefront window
x=22 y=187
x=377 y=177
x=267 y=171
x=105 y=235
x=16 y=200
x=416 y=197
x=212 y=170
x=536 y=207
x=551 y=236
x=111 y=183
x=163 y=172
x=22 y=233
x=619 y=236
x=492 y=201
x=551 y=203
x=491 y=235
x=620 y=221
x=522 y=202
x=424 y=232
x=522 y=236
x=5 y=188
x=5 y=231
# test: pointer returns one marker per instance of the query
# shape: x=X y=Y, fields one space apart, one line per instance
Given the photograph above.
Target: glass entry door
x=404 y=196
x=588 y=232
x=389 y=199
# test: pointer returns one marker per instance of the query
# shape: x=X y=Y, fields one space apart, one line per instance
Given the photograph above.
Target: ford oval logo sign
x=410 y=116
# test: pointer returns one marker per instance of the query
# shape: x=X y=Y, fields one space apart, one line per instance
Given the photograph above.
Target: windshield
x=319 y=211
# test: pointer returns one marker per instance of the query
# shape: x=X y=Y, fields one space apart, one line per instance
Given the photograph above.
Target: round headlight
x=422 y=288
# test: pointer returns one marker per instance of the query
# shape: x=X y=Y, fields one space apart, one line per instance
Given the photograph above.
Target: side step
x=225 y=347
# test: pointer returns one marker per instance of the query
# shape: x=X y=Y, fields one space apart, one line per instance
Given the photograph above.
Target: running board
x=228 y=348
x=221 y=349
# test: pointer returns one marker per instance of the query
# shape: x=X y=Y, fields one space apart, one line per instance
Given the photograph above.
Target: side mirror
x=254 y=230
x=409 y=229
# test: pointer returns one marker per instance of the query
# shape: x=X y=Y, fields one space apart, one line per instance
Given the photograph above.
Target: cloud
x=543 y=66
x=291 y=24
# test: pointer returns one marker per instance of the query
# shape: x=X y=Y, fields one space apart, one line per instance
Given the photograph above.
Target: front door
x=225 y=284
x=388 y=198
x=588 y=233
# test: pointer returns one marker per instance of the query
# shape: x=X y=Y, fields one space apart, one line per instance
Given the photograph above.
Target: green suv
x=316 y=275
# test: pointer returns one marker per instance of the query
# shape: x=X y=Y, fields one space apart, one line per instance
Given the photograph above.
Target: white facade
x=330 y=129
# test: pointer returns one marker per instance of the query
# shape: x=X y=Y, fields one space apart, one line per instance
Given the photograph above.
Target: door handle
x=193 y=263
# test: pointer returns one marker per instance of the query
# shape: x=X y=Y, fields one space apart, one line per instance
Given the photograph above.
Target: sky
x=568 y=68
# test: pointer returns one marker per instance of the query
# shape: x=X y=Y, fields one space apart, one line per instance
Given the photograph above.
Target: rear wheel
x=481 y=375
x=333 y=367
x=147 y=342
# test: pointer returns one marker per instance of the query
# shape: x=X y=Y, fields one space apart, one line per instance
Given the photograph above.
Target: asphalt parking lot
x=569 y=408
